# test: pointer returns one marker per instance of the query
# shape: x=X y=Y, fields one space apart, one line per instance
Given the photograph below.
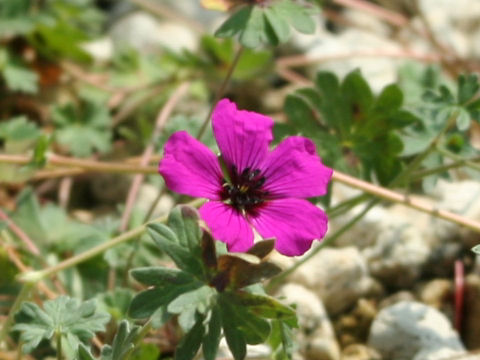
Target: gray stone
x=412 y=330
x=317 y=339
x=146 y=34
x=339 y=276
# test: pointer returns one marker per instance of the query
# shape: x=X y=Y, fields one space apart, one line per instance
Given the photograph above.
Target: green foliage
x=268 y=24
x=208 y=292
x=16 y=75
x=83 y=129
x=122 y=347
x=18 y=135
x=448 y=110
x=73 y=320
x=355 y=130
x=37 y=221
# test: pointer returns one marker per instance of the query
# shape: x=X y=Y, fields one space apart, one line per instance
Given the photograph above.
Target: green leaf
x=468 y=87
x=75 y=321
x=268 y=24
x=463 y=120
x=83 y=129
x=84 y=353
x=234 y=336
x=281 y=341
x=184 y=221
x=190 y=343
x=211 y=340
x=18 y=134
x=390 y=99
x=168 y=242
x=476 y=249
x=253 y=328
x=20 y=78
x=298 y=15
x=160 y=276
x=123 y=343
x=235 y=24
x=278 y=23
x=200 y=299
x=267 y=307
x=147 y=302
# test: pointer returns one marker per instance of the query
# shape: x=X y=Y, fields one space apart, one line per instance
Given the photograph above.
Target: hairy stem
x=220 y=91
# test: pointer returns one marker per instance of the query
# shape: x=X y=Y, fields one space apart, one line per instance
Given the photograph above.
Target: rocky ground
x=388 y=288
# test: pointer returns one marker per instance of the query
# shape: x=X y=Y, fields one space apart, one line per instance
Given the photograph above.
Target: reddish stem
x=459 y=293
x=20 y=233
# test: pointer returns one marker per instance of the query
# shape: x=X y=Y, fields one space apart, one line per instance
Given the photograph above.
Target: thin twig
x=160 y=122
x=391 y=17
x=131 y=107
x=84 y=164
x=221 y=90
x=19 y=233
x=393 y=196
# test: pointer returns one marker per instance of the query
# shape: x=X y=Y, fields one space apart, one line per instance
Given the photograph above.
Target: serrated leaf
x=184 y=221
x=168 y=242
x=20 y=78
x=200 y=299
x=75 y=321
x=83 y=129
x=254 y=329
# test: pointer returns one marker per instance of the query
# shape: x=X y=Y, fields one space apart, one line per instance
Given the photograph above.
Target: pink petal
x=227 y=225
x=190 y=168
x=293 y=169
x=242 y=136
x=295 y=223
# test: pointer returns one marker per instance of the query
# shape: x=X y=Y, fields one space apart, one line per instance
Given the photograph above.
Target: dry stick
x=380 y=12
x=84 y=164
x=130 y=108
x=147 y=154
x=220 y=91
x=12 y=255
x=64 y=191
x=300 y=60
x=20 y=233
x=393 y=196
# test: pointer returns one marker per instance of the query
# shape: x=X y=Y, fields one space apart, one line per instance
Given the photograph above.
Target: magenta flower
x=263 y=189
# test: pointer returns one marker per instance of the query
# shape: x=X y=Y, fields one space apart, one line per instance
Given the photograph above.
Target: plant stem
x=328 y=241
x=221 y=90
x=90 y=165
x=58 y=335
x=21 y=297
x=393 y=196
x=35 y=276
x=458 y=158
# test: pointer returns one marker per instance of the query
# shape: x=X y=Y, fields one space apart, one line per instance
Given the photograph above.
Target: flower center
x=244 y=192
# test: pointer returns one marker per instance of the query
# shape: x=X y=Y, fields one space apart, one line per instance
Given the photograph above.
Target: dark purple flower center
x=244 y=191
